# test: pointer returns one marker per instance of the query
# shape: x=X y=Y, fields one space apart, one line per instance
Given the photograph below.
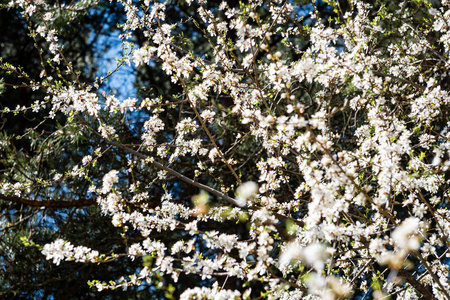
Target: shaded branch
x=379 y=73
x=48 y=203
x=426 y=294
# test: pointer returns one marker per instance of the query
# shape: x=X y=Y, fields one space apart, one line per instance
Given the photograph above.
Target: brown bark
x=48 y=203
x=426 y=293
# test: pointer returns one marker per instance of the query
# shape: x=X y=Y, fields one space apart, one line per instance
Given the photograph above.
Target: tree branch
x=178 y=175
x=426 y=294
x=48 y=203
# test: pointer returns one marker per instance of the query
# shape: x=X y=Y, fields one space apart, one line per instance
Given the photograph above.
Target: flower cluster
x=62 y=250
x=324 y=141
